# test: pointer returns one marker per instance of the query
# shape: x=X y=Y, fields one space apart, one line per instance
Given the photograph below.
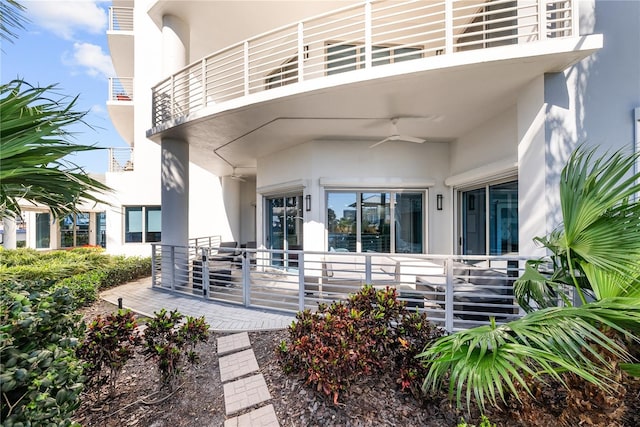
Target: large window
x=366 y=221
x=142 y=224
x=43 y=230
x=489 y=219
x=74 y=230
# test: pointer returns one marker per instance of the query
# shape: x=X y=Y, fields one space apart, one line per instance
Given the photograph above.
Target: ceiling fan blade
x=410 y=139
x=381 y=142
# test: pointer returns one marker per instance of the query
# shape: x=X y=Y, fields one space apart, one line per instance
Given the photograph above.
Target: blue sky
x=65 y=43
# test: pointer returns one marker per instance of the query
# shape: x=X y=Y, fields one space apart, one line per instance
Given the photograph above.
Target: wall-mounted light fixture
x=439 y=202
x=307 y=202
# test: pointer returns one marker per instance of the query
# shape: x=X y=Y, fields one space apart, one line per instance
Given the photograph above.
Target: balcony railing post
x=203 y=71
x=173 y=267
x=367 y=270
x=542 y=19
x=301 y=52
x=301 y=281
x=205 y=273
x=448 y=26
x=246 y=68
x=173 y=96
x=368 y=53
x=111 y=18
x=246 y=279
x=448 y=297
x=153 y=265
x=575 y=18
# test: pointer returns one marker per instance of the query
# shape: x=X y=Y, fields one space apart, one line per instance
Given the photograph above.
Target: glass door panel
x=375 y=212
x=82 y=229
x=408 y=223
x=101 y=229
x=285 y=228
x=43 y=230
x=503 y=218
x=66 y=232
x=341 y=222
x=474 y=221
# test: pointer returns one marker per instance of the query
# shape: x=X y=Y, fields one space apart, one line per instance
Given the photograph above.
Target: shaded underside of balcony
x=447 y=96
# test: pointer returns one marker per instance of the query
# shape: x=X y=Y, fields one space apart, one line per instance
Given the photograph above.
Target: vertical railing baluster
x=205 y=272
x=203 y=70
x=367 y=270
x=448 y=26
x=172 y=258
x=542 y=19
x=448 y=296
x=301 y=281
x=153 y=265
x=368 y=49
x=575 y=18
x=246 y=68
x=301 y=52
x=246 y=279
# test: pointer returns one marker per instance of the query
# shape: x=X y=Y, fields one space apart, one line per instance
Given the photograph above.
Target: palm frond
x=34 y=165
x=489 y=360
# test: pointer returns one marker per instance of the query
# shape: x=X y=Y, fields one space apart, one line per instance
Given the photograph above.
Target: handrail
x=120 y=19
x=374 y=30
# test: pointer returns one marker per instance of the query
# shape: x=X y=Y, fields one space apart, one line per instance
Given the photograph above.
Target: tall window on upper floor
x=375 y=221
x=489 y=219
x=142 y=224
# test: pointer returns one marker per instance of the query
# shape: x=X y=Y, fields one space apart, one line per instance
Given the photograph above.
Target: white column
x=175 y=42
x=231 y=199
x=9 y=235
x=175 y=209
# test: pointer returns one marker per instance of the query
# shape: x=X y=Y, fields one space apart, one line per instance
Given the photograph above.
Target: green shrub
x=41 y=377
x=83 y=287
x=125 y=269
x=108 y=345
x=167 y=339
x=372 y=331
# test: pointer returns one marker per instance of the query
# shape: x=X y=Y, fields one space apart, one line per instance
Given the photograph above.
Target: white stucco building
x=235 y=110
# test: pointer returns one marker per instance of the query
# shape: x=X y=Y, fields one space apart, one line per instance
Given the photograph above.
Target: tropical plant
x=596 y=253
x=11 y=19
x=33 y=155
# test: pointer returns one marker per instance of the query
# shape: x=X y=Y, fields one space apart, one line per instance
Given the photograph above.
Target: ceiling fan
x=236 y=176
x=396 y=136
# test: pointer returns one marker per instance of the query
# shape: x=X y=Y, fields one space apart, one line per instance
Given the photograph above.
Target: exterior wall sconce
x=439 y=202
x=307 y=202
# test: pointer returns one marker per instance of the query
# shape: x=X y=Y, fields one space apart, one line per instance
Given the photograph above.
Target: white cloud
x=92 y=58
x=65 y=18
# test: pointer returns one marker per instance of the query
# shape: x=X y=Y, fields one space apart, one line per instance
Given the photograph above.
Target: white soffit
x=376 y=182
x=496 y=170
x=283 y=187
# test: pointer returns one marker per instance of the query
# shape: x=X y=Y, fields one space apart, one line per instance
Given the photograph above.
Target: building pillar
x=9 y=239
x=175 y=42
x=175 y=211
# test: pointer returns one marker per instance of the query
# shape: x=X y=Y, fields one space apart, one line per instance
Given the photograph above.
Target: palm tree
x=596 y=252
x=11 y=19
x=33 y=149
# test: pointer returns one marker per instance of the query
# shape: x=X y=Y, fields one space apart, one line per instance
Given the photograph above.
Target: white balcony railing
x=455 y=291
x=120 y=19
x=120 y=159
x=121 y=89
x=369 y=34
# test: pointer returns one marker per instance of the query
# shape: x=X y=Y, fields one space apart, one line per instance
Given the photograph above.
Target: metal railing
x=121 y=89
x=355 y=38
x=120 y=19
x=457 y=292
x=120 y=159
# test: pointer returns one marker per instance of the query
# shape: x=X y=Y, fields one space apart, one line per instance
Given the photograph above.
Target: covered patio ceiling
x=437 y=99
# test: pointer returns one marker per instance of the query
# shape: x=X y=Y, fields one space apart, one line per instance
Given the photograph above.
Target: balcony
x=120 y=159
x=365 y=41
x=120 y=106
x=120 y=39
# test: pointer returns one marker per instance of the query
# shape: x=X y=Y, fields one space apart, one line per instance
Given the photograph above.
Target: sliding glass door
x=386 y=221
x=489 y=220
x=284 y=228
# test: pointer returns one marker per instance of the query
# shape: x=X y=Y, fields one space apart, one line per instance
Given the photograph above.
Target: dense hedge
x=40 y=375
x=84 y=271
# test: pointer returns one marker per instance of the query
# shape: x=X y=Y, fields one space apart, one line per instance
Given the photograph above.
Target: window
x=74 y=230
x=489 y=219
x=348 y=57
x=43 y=230
x=366 y=221
x=142 y=224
